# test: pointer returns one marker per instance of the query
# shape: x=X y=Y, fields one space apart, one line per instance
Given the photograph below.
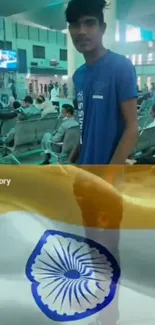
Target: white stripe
x=19 y=235
x=97 y=97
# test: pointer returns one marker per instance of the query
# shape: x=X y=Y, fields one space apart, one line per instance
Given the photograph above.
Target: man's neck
x=94 y=56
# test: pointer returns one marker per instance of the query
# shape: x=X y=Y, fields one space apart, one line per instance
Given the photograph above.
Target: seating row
x=7 y=125
x=146 y=141
x=29 y=133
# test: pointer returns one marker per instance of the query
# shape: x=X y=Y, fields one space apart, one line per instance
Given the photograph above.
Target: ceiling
x=50 y=13
x=51 y=17
x=12 y=7
x=138 y=13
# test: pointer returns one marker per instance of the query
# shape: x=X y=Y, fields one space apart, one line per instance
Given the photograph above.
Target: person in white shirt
x=55 y=94
x=45 y=106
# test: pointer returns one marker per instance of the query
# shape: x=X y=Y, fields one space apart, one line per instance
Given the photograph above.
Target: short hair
x=43 y=98
x=79 y=8
x=153 y=108
x=28 y=99
x=68 y=108
x=40 y=99
x=16 y=104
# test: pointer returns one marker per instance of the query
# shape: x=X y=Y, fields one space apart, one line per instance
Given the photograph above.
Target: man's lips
x=83 y=41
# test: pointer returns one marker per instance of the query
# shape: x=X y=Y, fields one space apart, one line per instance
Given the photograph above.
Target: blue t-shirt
x=100 y=90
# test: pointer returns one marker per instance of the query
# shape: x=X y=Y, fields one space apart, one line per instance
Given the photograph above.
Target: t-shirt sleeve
x=127 y=80
x=74 y=79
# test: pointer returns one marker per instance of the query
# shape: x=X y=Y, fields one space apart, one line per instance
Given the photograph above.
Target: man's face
x=24 y=104
x=64 y=113
x=87 y=34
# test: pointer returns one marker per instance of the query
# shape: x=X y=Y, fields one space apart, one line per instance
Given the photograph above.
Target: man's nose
x=82 y=29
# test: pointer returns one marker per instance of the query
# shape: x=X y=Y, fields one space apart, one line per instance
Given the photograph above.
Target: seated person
x=152 y=124
x=21 y=113
x=16 y=104
x=11 y=113
x=28 y=109
x=147 y=157
x=11 y=101
x=39 y=102
x=68 y=121
x=46 y=107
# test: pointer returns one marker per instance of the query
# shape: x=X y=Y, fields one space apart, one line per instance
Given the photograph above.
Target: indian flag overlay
x=75 y=249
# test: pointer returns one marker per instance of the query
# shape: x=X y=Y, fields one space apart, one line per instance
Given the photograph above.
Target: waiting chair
x=24 y=140
x=146 y=142
x=144 y=121
x=34 y=117
x=7 y=125
x=63 y=151
x=45 y=125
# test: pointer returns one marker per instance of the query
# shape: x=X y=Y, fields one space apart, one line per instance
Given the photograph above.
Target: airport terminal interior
x=37 y=62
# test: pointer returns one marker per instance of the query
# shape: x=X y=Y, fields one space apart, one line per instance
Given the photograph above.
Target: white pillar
x=75 y=60
x=110 y=19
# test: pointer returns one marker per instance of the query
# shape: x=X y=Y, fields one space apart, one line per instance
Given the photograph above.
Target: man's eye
x=90 y=23
x=74 y=25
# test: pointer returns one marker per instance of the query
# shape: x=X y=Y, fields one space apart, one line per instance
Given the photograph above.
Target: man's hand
x=75 y=155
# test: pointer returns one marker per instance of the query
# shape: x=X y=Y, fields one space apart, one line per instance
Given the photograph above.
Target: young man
x=106 y=89
x=68 y=121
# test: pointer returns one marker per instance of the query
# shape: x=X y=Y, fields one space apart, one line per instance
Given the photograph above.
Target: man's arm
x=130 y=135
x=127 y=97
x=59 y=136
x=8 y=115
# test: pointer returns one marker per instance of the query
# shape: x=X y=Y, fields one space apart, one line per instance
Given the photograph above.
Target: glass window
x=63 y=55
x=5 y=46
x=150 y=44
x=38 y=52
x=133 y=34
x=150 y=58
